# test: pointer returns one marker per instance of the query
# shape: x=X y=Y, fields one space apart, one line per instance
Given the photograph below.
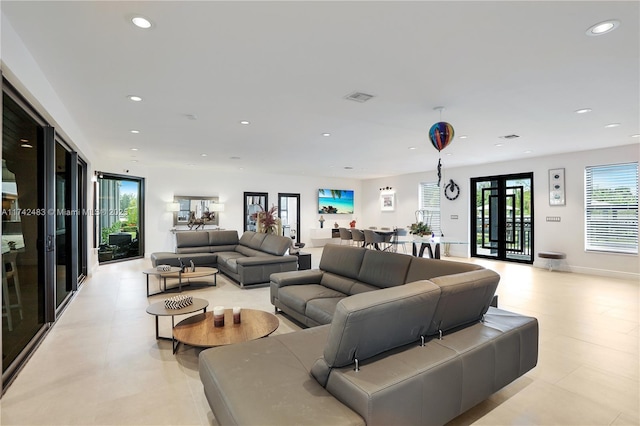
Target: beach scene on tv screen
x=335 y=201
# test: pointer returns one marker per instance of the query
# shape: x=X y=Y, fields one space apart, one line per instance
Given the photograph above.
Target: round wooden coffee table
x=199 y=330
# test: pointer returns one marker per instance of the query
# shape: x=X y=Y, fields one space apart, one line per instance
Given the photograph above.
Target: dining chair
x=358 y=237
x=373 y=239
x=345 y=235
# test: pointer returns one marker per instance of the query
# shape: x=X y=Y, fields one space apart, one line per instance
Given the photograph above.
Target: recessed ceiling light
x=203 y=155
x=583 y=110
x=134 y=98
x=245 y=122
x=326 y=134
x=603 y=27
x=234 y=158
x=528 y=151
x=134 y=161
x=608 y=126
x=26 y=145
x=636 y=135
x=448 y=154
x=412 y=148
x=141 y=22
x=192 y=116
x=348 y=168
x=462 y=137
x=499 y=144
x=134 y=149
x=135 y=132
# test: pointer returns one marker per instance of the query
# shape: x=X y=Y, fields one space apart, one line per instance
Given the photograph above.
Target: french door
x=503 y=211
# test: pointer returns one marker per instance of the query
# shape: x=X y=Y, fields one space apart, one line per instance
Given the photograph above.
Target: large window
x=611 y=208
x=429 y=211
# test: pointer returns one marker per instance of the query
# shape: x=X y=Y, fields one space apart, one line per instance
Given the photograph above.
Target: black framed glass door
x=120 y=215
x=289 y=214
x=503 y=212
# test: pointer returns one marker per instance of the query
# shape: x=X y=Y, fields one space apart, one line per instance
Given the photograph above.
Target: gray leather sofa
x=419 y=353
x=249 y=260
x=311 y=296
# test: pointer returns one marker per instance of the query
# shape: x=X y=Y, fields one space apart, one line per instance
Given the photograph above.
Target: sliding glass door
x=43 y=224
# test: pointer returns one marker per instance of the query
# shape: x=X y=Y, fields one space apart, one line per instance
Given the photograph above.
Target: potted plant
x=421 y=229
x=267 y=221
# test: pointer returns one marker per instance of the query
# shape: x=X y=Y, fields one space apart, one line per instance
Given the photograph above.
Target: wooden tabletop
x=154 y=271
x=201 y=271
x=199 y=330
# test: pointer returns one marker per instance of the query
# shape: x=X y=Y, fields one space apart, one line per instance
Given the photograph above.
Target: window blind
x=611 y=208
x=430 y=205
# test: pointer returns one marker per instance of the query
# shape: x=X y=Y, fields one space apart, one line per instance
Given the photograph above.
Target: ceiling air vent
x=509 y=137
x=358 y=97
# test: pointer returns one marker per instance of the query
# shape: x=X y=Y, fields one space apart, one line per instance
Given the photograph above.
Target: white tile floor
x=101 y=363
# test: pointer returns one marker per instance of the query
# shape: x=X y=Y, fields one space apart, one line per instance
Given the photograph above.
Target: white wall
x=566 y=236
x=162 y=185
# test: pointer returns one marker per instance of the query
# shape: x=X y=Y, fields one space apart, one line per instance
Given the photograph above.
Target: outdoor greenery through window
x=611 y=208
x=429 y=210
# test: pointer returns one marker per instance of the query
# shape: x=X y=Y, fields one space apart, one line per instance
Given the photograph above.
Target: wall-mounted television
x=335 y=201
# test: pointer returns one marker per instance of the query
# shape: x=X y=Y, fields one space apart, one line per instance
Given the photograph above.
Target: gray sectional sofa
x=249 y=260
x=398 y=349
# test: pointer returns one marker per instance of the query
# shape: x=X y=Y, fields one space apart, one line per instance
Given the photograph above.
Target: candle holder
x=218 y=316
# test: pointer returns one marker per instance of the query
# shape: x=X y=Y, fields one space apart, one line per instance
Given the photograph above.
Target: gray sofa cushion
x=337 y=282
x=187 y=240
x=425 y=269
x=247 y=251
x=343 y=261
x=321 y=310
x=370 y=323
x=252 y=239
x=275 y=244
x=297 y=296
x=223 y=238
x=384 y=269
x=465 y=298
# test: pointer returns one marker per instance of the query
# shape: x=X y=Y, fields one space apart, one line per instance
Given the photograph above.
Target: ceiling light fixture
x=203 y=155
x=528 y=151
x=135 y=132
x=134 y=98
x=245 y=122
x=637 y=135
x=26 y=145
x=326 y=134
x=134 y=149
x=498 y=144
x=141 y=22
x=463 y=137
x=609 y=126
x=603 y=27
x=583 y=110
x=412 y=148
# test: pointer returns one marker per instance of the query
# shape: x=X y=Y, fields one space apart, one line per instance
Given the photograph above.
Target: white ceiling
x=498 y=68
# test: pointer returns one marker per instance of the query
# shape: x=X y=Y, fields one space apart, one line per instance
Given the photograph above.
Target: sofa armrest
x=265 y=260
x=283 y=279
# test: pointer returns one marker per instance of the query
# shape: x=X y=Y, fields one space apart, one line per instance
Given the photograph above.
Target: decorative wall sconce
x=386 y=188
x=173 y=207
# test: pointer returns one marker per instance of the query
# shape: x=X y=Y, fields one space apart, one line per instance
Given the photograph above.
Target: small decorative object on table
x=178 y=302
x=163 y=268
x=352 y=224
x=218 y=316
x=236 y=315
x=193 y=267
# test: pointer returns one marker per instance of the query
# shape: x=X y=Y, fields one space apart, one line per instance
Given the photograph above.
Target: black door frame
x=501 y=217
x=297 y=197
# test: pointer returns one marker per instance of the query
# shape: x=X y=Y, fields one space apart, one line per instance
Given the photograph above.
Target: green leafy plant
x=420 y=229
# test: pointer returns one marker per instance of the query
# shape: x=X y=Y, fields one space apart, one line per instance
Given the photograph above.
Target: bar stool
x=10 y=271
